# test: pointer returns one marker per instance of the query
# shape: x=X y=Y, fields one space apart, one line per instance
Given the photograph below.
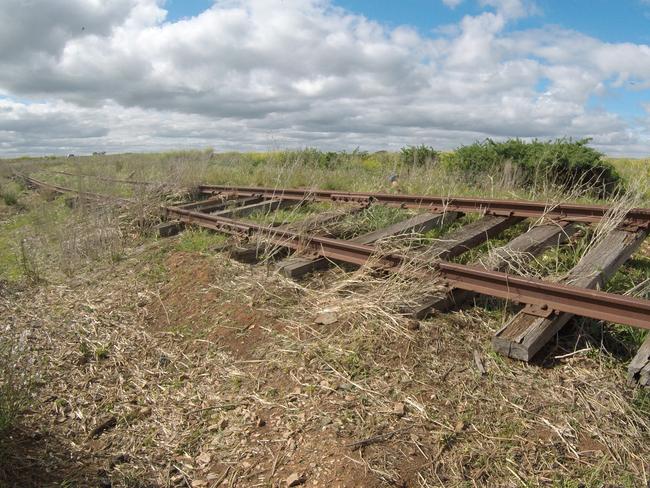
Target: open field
x=143 y=361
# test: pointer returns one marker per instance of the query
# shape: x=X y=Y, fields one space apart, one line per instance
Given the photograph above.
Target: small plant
x=102 y=352
x=199 y=241
x=9 y=193
x=28 y=262
x=418 y=155
x=641 y=401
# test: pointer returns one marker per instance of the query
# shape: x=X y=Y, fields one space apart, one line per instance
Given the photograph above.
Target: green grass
x=199 y=240
x=25 y=231
x=288 y=215
x=355 y=171
x=376 y=217
x=9 y=192
x=497 y=241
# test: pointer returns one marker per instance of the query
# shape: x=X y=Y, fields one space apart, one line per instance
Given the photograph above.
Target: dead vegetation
x=164 y=363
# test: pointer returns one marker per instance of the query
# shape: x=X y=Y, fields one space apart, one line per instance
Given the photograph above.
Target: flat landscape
x=133 y=356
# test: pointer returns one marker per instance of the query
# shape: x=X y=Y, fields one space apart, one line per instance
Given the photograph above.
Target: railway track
x=546 y=306
x=61 y=190
x=103 y=178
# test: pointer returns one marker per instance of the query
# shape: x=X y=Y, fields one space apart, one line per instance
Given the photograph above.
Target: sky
x=78 y=76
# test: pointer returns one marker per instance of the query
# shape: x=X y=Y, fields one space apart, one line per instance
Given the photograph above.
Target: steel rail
x=62 y=190
x=327 y=247
x=547 y=296
x=103 y=178
x=515 y=208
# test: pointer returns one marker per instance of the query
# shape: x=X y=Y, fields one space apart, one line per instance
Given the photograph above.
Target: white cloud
x=268 y=73
x=512 y=9
x=452 y=3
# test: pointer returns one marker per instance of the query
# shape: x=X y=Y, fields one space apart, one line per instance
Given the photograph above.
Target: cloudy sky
x=138 y=75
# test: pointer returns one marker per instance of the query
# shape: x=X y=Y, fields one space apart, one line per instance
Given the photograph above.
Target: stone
x=296 y=479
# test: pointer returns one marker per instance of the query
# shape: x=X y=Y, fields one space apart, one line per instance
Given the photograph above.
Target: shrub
x=9 y=194
x=563 y=162
x=418 y=155
x=327 y=159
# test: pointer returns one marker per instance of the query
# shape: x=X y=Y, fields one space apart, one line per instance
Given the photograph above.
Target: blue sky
x=613 y=21
x=126 y=75
x=607 y=20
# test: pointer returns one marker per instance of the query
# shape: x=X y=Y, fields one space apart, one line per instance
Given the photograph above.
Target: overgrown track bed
x=102 y=178
x=548 y=305
x=513 y=208
x=56 y=189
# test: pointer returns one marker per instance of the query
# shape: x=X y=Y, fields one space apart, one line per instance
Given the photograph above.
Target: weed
x=376 y=217
x=9 y=194
x=102 y=352
x=641 y=401
x=28 y=262
x=199 y=240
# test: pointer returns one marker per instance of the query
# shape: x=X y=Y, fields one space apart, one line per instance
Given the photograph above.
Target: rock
x=296 y=479
x=144 y=412
x=399 y=409
x=326 y=318
x=204 y=459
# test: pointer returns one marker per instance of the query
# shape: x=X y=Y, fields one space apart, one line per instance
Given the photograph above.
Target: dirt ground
x=175 y=368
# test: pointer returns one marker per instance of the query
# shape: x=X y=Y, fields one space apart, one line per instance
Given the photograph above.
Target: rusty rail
x=547 y=297
x=103 y=178
x=63 y=190
x=636 y=217
x=541 y=297
x=323 y=246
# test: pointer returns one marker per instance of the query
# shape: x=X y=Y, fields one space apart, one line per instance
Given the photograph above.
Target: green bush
x=564 y=162
x=9 y=193
x=418 y=155
x=326 y=159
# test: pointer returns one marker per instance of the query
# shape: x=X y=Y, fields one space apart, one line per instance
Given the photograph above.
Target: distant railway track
x=512 y=208
x=98 y=197
x=103 y=178
x=547 y=306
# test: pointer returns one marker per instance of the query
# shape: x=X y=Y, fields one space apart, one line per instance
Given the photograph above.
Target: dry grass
x=164 y=363
x=258 y=398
